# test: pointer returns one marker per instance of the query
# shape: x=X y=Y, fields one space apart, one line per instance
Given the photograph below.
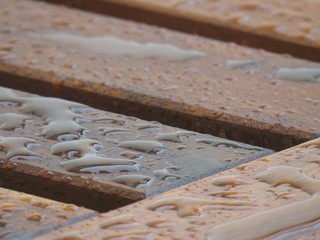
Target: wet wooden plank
x=187 y=81
x=23 y=216
x=280 y=26
x=275 y=197
x=73 y=153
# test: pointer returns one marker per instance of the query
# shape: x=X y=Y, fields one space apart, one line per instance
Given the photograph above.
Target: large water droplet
x=142 y=146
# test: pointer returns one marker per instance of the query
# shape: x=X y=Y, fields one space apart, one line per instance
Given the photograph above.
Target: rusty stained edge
x=61 y=192
x=188 y=25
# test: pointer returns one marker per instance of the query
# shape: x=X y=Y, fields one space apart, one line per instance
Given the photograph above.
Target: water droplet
x=294 y=214
x=86 y=183
x=299 y=74
x=264 y=106
x=95 y=186
x=133 y=180
x=46 y=174
x=228 y=143
x=132 y=234
x=82 y=120
x=72 y=154
x=285 y=195
x=90 y=160
x=108 y=168
x=73 y=235
x=26 y=199
x=66 y=179
x=108 y=131
x=16 y=148
x=120 y=48
x=241 y=63
x=4 y=104
x=225 y=181
x=11 y=121
x=12 y=165
x=165 y=174
x=71 y=208
x=173 y=136
x=31 y=158
x=117 y=121
x=148 y=127
x=131 y=155
x=189 y=206
x=82 y=109
x=68 y=137
x=42 y=204
x=182 y=147
x=142 y=146
x=59 y=118
x=160 y=223
x=231 y=194
x=116 y=222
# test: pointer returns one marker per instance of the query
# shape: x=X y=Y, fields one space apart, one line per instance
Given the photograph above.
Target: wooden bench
x=176 y=183
x=181 y=80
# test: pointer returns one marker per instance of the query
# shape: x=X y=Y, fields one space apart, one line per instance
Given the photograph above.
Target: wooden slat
x=194 y=83
x=276 y=197
x=23 y=216
x=73 y=153
x=280 y=26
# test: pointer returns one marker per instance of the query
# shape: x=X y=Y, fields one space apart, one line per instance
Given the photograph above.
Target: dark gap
x=62 y=192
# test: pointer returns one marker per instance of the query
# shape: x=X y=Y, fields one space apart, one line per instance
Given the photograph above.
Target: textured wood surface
x=194 y=83
x=68 y=151
x=280 y=26
x=23 y=216
x=276 y=197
